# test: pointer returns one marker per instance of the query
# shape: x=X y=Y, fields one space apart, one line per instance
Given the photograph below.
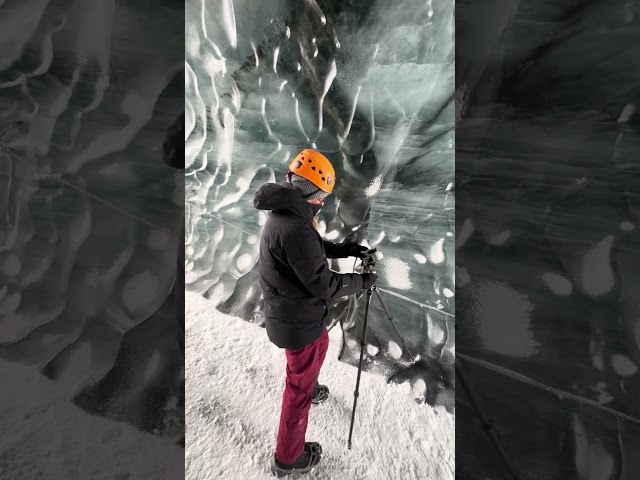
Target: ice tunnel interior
x=547 y=237
x=85 y=270
x=371 y=86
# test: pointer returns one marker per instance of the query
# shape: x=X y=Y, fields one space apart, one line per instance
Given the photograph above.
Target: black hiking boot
x=305 y=462
x=320 y=394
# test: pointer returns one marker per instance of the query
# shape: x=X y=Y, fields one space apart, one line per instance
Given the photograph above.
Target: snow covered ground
x=43 y=435
x=235 y=380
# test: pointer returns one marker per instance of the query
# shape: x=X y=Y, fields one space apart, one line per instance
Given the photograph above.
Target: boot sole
x=316 y=456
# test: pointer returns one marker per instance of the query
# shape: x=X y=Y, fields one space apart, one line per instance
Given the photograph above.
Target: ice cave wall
x=89 y=213
x=369 y=84
x=547 y=236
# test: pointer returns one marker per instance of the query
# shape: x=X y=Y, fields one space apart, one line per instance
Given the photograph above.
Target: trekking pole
x=362 y=345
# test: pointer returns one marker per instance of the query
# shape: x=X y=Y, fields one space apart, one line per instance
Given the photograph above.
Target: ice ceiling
x=369 y=84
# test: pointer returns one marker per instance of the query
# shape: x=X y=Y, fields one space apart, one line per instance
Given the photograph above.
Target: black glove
x=368 y=279
x=355 y=250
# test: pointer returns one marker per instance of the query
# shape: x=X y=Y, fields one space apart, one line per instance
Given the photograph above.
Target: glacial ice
x=548 y=317
x=85 y=101
x=369 y=84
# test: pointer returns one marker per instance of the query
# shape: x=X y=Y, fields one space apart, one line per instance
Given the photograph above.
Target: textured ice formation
x=86 y=267
x=548 y=317
x=369 y=84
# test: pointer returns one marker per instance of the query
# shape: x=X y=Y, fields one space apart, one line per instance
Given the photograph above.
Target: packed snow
x=234 y=384
x=44 y=435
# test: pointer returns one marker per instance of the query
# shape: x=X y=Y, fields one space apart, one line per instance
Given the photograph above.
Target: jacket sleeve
x=308 y=261
x=334 y=250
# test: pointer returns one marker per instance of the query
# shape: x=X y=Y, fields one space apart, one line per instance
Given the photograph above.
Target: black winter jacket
x=294 y=272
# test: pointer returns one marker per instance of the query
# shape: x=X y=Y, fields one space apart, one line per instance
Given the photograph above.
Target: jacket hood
x=283 y=198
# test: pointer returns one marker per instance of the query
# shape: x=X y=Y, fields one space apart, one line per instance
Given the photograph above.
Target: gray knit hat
x=308 y=189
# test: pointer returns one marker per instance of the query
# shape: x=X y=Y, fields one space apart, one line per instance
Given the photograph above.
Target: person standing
x=297 y=283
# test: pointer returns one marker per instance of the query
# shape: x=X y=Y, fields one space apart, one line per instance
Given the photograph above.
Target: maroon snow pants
x=303 y=367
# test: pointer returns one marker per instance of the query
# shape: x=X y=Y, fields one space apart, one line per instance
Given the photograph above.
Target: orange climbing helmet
x=316 y=168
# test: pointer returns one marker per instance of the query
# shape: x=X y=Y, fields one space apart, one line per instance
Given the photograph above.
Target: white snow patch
x=244 y=262
x=597 y=359
x=379 y=239
x=593 y=462
x=627 y=112
x=465 y=232
x=627 y=226
x=597 y=275
x=437 y=253
x=243 y=183
x=504 y=314
x=420 y=389
x=394 y=350
x=623 y=365
x=447 y=293
x=558 y=284
x=499 y=238
x=32 y=425
x=438 y=334
x=252 y=240
x=420 y=258
x=462 y=276
x=332 y=235
x=604 y=396
x=374 y=187
x=397 y=273
x=372 y=350
x=403 y=439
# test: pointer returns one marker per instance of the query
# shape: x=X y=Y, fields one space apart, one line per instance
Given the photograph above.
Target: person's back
x=294 y=272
